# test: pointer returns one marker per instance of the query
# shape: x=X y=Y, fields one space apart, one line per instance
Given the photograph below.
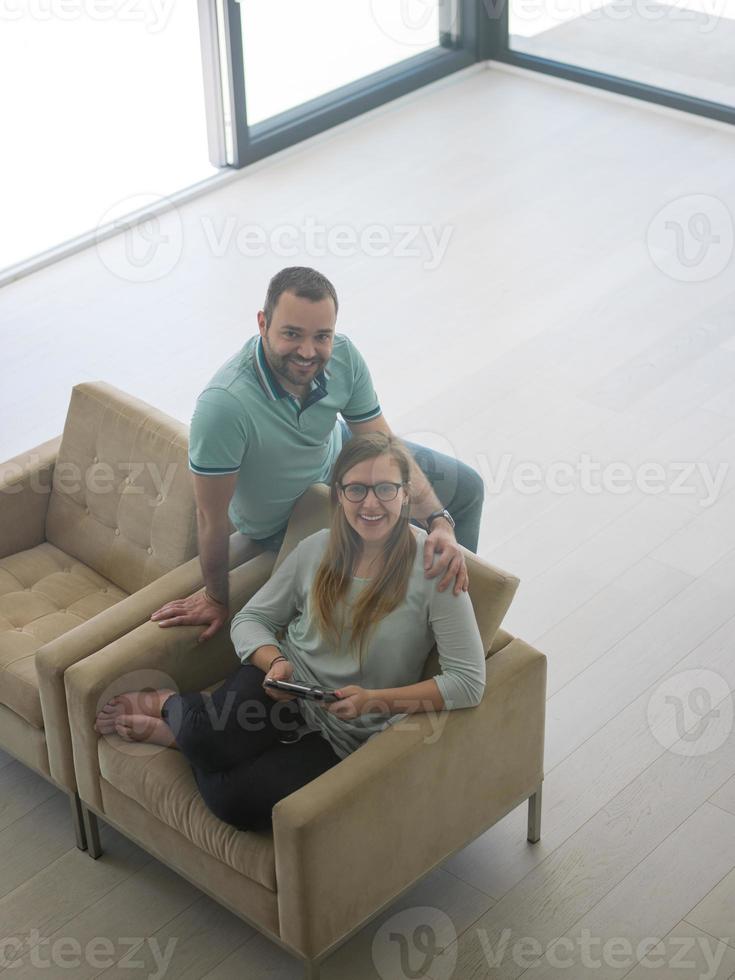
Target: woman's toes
x=110 y=708
x=104 y=724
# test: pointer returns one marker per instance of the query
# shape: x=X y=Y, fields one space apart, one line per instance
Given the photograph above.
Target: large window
x=102 y=114
x=111 y=107
x=295 y=51
x=294 y=68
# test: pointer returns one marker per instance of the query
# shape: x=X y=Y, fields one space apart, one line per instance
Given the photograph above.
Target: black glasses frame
x=374 y=487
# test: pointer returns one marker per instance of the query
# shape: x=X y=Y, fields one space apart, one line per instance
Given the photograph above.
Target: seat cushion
x=161 y=781
x=43 y=593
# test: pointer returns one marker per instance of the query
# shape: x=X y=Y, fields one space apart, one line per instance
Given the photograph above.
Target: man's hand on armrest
x=209 y=607
x=196 y=610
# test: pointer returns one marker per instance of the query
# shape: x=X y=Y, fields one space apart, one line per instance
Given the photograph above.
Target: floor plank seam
x=731 y=943
x=623 y=636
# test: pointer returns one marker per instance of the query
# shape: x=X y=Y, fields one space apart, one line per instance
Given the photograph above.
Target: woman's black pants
x=232 y=739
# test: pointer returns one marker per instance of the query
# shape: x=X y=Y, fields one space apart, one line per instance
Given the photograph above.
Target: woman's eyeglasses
x=355 y=492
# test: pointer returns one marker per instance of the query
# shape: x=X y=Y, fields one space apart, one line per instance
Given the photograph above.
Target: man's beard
x=283 y=366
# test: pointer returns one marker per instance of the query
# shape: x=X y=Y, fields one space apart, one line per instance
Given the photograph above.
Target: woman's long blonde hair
x=332 y=581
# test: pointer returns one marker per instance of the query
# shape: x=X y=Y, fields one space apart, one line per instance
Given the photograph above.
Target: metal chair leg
x=534 y=816
x=92 y=831
x=77 y=822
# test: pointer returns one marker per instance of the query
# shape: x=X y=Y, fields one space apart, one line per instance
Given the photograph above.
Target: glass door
x=292 y=68
x=295 y=51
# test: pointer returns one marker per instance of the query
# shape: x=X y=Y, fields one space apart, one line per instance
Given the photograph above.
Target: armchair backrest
x=310 y=514
x=122 y=499
x=491 y=588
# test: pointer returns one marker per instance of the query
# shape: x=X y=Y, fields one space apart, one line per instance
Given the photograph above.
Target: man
x=265 y=428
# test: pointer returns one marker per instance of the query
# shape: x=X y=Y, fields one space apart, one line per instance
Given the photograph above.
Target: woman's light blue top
x=395 y=655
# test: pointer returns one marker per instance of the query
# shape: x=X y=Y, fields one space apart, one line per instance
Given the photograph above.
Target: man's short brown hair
x=301 y=281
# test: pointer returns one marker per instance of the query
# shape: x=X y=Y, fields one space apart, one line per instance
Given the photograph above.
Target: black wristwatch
x=439 y=513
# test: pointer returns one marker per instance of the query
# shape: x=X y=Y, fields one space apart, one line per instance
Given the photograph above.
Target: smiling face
x=299 y=340
x=372 y=518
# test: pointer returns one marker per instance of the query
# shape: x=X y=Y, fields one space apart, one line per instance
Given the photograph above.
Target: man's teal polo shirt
x=245 y=422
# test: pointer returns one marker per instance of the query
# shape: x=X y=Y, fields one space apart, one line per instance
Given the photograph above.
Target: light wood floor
x=547 y=331
x=668 y=45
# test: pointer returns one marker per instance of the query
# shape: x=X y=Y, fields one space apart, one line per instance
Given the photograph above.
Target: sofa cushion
x=43 y=593
x=161 y=781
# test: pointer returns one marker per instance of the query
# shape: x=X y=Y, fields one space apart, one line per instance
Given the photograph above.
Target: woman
x=359 y=617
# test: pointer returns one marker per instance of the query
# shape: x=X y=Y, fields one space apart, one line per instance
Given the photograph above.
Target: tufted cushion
x=122 y=500
x=43 y=593
x=161 y=781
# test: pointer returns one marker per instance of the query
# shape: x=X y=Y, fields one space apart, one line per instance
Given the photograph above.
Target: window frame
x=494 y=43
x=224 y=71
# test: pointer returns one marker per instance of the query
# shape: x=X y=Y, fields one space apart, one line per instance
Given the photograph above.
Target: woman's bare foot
x=148 y=703
x=140 y=728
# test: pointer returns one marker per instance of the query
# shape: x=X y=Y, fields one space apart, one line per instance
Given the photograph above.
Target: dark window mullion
x=623 y=86
x=492 y=28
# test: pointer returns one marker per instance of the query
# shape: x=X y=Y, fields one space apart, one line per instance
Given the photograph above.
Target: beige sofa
x=391 y=812
x=91 y=526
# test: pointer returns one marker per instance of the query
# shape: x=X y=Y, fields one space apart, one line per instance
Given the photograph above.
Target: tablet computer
x=302 y=690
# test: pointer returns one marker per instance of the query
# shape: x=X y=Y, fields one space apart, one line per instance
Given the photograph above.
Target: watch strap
x=439 y=513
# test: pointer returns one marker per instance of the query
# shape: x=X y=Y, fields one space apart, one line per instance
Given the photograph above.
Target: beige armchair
x=91 y=526
x=368 y=813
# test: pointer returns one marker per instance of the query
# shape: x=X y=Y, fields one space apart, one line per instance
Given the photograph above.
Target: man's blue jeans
x=459 y=488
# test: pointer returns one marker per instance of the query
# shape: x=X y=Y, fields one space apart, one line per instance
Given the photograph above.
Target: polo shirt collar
x=270 y=384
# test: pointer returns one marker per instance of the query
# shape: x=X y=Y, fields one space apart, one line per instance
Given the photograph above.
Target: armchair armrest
x=25 y=487
x=149 y=656
x=354 y=838
x=55 y=657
